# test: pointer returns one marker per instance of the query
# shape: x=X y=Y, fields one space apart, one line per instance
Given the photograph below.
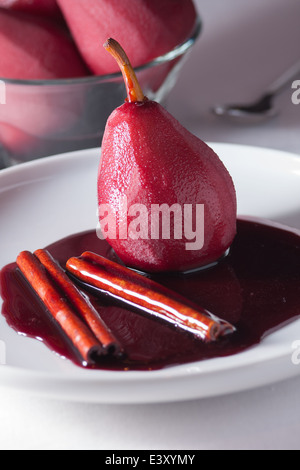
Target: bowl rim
x=178 y=51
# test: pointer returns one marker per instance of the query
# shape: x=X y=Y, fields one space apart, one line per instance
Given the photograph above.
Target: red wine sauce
x=256 y=287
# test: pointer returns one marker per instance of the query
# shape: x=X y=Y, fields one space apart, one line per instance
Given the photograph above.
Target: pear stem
x=133 y=88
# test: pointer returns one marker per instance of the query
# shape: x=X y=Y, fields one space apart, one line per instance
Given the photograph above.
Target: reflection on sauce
x=256 y=288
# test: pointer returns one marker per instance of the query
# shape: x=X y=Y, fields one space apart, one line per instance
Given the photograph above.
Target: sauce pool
x=256 y=287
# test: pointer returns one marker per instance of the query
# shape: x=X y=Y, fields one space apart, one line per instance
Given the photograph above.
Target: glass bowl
x=42 y=118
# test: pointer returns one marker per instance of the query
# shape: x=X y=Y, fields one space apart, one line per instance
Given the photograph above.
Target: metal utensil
x=263 y=107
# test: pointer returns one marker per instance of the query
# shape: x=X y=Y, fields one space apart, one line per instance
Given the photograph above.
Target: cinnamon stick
x=82 y=304
x=153 y=299
x=82 y=338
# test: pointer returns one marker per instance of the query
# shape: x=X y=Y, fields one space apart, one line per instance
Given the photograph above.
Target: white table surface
x=244 y=46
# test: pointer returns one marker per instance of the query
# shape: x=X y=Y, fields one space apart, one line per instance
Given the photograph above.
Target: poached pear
x=166 y=201
x=146 y=28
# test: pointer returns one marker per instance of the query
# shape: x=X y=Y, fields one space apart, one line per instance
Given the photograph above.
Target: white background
x=244 y=46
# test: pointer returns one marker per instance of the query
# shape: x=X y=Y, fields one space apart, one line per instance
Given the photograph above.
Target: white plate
x=45 y=200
